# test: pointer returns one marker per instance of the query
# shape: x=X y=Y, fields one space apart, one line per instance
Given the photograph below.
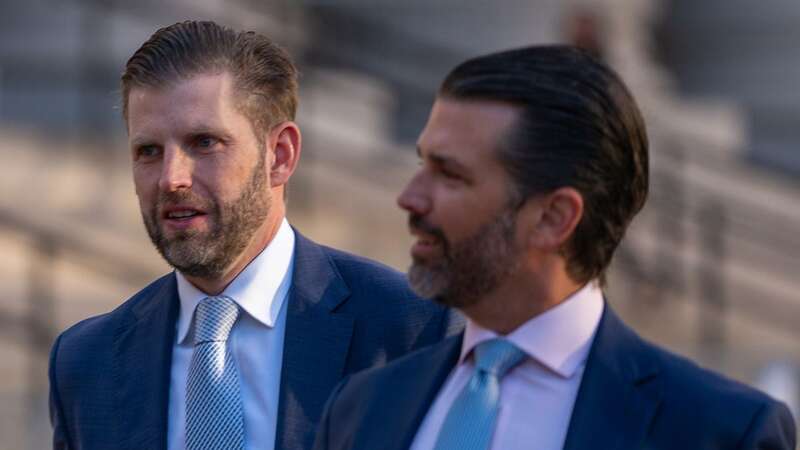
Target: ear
x=559 y=212
x=285 y=142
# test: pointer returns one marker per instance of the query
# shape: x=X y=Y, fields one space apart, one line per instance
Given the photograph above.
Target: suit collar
x=415 y=383
x=617 y=400
x=315 y=345
x=141 y=367
x=317 y=281
x=620 y=391
x=419 y=396
x=559 y=339
x=315 y=351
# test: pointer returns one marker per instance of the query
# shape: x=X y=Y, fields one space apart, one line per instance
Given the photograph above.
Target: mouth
x=183 y=217
x=426 y=246
x=430 y=243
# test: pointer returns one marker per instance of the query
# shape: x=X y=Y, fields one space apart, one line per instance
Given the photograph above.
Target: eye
x=449 y=174
x=206 y=142
x=148 y=151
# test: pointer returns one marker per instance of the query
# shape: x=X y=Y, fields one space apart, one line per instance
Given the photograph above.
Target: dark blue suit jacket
x=633 y=396
x=109 y=375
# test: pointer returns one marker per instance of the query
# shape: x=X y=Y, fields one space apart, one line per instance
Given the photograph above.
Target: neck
x=260 y=240
x=520 y=299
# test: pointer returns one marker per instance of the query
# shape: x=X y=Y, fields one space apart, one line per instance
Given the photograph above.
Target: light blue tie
x=469 y=424
x=214 y=417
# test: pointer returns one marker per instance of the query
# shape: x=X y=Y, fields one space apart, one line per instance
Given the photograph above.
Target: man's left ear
x=559 y=212
x=285 y=141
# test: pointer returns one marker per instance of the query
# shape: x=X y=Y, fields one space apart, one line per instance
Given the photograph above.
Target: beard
x=208 y=254
x=469 y=269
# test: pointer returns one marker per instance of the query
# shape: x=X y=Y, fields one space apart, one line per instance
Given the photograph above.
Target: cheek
x=215 y=176
x=453 y=219
x=457 y=206
x=218 y=190
x=143 y=184
x=461 y=214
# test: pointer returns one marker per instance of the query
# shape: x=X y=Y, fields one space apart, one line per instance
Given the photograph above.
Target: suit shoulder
x=704 y=384
x=381 y=292
x=708 y=400
x=708 y=405
x=390 y=320
x=373 y=283
x=682 y=379
x=356 y=268
x=98 y=329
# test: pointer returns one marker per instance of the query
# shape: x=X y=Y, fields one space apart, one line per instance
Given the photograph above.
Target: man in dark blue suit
x=241 y=345
x=533 y=163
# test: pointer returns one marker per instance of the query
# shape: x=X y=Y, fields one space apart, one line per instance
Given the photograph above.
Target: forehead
x=183 y=103
x=467 y=128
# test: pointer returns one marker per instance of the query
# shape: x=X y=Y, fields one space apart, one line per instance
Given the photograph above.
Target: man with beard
x=533 y=163
x=240 y=346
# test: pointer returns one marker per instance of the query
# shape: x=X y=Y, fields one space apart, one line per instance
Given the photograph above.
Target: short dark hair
x=579 y=127
x=264 y=75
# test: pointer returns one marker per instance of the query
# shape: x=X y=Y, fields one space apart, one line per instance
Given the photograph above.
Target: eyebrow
x=139 y=141
x=193 y=133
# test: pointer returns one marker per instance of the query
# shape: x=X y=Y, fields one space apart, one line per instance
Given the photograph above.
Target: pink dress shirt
x=536 y=397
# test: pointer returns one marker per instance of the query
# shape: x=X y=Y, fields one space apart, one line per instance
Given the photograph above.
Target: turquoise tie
x=469 y=424
x=214 y=416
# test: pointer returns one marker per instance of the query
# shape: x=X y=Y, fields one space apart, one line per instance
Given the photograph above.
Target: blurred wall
x=747 y=52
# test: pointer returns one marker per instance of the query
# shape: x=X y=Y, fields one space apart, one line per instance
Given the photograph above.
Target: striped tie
x=469 y=424
x=214 y=417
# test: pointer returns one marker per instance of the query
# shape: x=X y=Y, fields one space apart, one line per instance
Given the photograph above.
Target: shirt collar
x=260 y=289
x=559 y=338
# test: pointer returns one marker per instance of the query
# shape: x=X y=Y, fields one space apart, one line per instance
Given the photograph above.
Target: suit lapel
x=315 y=344
x=141 y=369
x=620 y=391
x=411 y=395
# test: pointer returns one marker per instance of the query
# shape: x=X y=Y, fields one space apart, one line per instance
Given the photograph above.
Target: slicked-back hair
x=265 y=78
x=578 y=127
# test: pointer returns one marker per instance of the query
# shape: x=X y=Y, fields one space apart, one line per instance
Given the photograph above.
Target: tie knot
x=214 y=319
x=497 y=356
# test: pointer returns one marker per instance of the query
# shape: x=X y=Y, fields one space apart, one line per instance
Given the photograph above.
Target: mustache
x=417 y=222
x=183 y=197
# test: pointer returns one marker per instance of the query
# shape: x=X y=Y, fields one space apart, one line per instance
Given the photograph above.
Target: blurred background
x=710 y=269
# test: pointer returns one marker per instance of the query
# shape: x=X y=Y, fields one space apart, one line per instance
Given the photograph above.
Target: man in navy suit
x=241 y=345
x=533 y=163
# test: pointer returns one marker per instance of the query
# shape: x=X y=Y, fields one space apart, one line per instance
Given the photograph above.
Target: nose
x=415 y=198
x=176 y=170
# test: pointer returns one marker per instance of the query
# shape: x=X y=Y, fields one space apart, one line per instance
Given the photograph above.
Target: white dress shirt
x=537 y=396
x=260 y=290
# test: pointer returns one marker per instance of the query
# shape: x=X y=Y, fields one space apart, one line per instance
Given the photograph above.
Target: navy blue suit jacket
x=633 y=396
x=109 y=375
